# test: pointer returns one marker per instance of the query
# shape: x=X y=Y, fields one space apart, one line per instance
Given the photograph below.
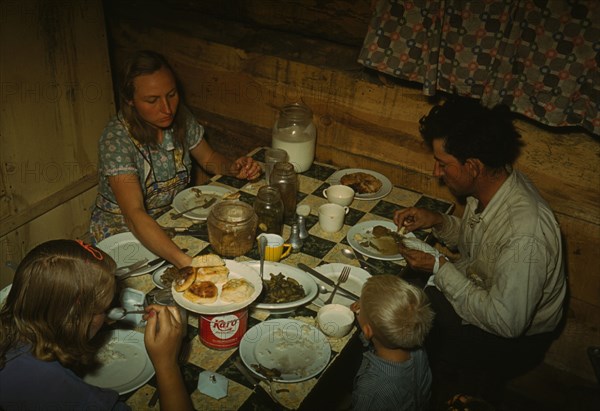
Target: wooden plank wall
x=56 y=98
x=240 y=60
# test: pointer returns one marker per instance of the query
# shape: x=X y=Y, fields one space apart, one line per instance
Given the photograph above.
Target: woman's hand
x=413 y=218
x=245 y=168
x=163 y=335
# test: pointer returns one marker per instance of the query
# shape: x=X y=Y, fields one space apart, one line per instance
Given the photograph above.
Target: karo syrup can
x=223 y=331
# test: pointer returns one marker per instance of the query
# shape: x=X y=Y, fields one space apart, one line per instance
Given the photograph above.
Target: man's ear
x=475 y=166
x=367 y=331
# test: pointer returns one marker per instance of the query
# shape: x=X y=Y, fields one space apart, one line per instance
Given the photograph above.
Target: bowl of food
x=335 y=320
x=285 y=288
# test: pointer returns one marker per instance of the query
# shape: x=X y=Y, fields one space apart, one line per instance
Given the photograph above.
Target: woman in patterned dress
x=145 y=157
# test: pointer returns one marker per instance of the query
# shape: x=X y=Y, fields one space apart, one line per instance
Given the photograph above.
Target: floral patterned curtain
x=540 y=57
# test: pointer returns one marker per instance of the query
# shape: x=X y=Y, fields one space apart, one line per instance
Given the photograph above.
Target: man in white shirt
x=499 y=305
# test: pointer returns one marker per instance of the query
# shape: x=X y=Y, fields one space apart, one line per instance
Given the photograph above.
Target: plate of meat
x=377 y=239
x=367 y=184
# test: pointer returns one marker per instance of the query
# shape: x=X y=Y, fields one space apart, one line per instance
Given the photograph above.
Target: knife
x=365 y=265
x=149 y=264
x=325 y=279
x=139 y=269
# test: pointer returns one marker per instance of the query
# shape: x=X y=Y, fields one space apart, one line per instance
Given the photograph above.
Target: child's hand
x=163 y=334
x=355 y=307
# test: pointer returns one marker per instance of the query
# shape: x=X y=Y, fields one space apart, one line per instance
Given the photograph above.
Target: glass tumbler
x=272 y=156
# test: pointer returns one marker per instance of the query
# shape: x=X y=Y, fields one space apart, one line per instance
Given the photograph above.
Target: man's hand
x=413 y=218
x=417 y=260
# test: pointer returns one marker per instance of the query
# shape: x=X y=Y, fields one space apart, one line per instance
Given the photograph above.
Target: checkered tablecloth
x=319 y=248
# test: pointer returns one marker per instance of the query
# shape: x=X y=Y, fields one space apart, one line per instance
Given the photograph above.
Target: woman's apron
x=107 y=218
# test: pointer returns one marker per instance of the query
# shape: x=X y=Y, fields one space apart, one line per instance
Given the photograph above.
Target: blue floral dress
x=162 y=172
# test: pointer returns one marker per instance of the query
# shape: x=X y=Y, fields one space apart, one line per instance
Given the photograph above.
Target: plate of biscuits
x=367 y=184
x=214 y=286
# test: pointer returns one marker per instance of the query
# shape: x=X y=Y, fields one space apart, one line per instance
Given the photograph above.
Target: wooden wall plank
x=56 y=99
x=71 y=219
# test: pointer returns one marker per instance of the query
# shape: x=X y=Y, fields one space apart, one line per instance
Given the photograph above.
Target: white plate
x=364 y=229
x=298 y=350
x=236 y=270
x=305 y=280
x=156 y=276
x=126 y=365
x=386 y=184
x=355 y=281
x=188 y=198
x=125 y=249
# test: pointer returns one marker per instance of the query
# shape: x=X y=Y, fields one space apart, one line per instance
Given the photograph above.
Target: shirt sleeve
x=195 y=132
x=507 y=309
x=449 y=232
x=116 y=151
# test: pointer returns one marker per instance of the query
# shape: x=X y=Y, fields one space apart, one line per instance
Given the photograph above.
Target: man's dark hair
x=470 y=130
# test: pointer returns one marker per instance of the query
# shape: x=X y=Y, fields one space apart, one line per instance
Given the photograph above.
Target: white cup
x=335 y=320
x=331 y=217
x=339 y=194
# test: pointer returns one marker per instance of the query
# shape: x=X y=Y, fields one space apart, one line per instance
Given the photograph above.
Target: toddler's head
x=397 y=312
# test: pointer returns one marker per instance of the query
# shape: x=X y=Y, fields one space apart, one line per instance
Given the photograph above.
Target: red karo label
x=223 y=332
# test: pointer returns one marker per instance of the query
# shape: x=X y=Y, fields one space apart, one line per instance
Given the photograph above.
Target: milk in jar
x=295 y=133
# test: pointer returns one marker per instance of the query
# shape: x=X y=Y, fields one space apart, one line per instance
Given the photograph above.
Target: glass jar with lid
x=231 y=228
x=295 y=132
x=268 y=207
x=285 y=179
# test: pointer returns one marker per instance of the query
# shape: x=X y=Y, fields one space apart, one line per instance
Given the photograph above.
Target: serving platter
x=386 y=184
x=305 y=279
x=126 y=365
x=236 y=270
x=197 y=195
x=355 y=281
x=361 y=232
x=125 y=249
x=299 y=351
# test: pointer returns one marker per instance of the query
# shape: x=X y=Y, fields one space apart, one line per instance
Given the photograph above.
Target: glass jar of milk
x=295 y=133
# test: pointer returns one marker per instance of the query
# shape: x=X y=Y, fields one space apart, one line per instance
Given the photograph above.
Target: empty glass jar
x=269 y=209
x=285 y=179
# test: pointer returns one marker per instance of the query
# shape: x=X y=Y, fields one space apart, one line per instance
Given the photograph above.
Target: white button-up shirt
x=510 y=279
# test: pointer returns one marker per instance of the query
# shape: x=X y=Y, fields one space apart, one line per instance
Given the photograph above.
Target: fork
x=206 y=204
x=341 y=279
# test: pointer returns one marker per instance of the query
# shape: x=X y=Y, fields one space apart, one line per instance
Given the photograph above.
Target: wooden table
x=319 y=248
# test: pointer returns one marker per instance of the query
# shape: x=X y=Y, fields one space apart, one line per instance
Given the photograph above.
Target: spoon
x=350 y=254
x=118 y=313
x=325 y=290
x=262 y=245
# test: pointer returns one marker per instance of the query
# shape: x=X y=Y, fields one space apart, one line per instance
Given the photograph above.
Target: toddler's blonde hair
x=398 y=312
